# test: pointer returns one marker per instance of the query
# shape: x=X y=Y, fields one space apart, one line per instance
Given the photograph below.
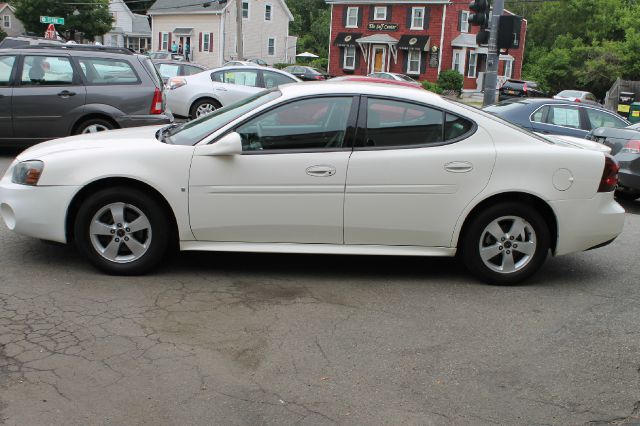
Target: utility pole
x=239 y=43
x=493 y=58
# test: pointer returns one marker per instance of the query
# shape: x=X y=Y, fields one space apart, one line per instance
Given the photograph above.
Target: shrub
x=432 y=87
x=451 y=80
x=2 y=35
x=281 y=65
x=321 y=63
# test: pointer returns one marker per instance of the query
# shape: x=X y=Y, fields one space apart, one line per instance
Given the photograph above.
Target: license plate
x=510 y=92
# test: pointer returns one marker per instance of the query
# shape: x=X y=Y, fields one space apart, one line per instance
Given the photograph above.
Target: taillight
x=319 y=77
x=577 y=100
x=157 y=106
x=524 y=88
x=632 y=147
x=609 y=178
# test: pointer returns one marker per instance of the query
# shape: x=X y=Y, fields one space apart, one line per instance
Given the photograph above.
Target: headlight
x=27 y=172
x=175 y=82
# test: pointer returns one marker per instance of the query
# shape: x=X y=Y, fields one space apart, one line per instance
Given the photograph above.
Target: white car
x=200 y=94
x=337 y=168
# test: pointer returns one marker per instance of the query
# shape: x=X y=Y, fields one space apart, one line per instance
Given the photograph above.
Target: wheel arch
x=109 y=182
x=525 y=198
x=92 y=116
x=201 y=97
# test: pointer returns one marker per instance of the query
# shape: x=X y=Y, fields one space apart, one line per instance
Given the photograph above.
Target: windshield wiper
x=168 y=131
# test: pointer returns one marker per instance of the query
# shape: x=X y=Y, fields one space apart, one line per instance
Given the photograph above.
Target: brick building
x=419 y=38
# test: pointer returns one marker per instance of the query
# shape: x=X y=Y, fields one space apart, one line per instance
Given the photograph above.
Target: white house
x=129 y=29
x=8 y=21
x=209 y=28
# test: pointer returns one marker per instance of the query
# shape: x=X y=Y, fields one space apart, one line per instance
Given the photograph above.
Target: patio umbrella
x=307 y=55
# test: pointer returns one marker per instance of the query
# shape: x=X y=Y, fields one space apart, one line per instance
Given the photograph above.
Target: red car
x=375 y=80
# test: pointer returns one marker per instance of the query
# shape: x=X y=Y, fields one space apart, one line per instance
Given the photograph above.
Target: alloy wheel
x=507 y=244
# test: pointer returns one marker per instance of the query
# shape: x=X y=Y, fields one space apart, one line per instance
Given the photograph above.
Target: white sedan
x=339 y=168
x=200 y=94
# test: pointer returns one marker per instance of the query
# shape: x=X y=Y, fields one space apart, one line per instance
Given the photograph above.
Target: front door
x=378 y=59
x=48 y=99
x=233 y=85
x=405 y=185
x=7 y=65
x=288 y=184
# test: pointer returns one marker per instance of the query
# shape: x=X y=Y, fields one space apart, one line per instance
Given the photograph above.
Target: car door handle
x=321 y=171
x=66 y=94
x=221 y=89
x=458 y=167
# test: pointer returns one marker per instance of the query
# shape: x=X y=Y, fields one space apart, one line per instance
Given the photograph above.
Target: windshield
x=570 y=94
x=194 y=131
x=406 y=78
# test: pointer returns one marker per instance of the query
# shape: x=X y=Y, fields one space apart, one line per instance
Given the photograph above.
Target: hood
x=123 y=138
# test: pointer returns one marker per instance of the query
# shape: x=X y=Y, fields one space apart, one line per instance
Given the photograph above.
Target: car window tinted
x=6 y=66
x=189 y=70
x=318 y=123
x=168 y=70
x=564 y=116
x=273 y=79
x=395 y=123
x=244 y=78
x=455 y=127
x=603 y=119
x=46 y=71
x=107 y=71
x=540 y=115
x=196 y=130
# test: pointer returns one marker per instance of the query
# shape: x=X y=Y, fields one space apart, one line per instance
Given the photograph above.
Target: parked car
x=168 y=69
x=394 y=76
x=239 y=64
x=364 y=79
x=200 y=94
x=625 y=147
x=512 y=88
x=12 y=42
x=48 y=92
x=577 y=96
x=307 y=73
x=258 y=62
x=556 y=117
x=165 y=56
x=426 y=177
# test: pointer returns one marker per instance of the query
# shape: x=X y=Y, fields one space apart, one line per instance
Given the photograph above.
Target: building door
x=378 y=59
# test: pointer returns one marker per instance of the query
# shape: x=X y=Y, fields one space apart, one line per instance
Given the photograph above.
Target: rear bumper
x=584 y=224
x=144 y=120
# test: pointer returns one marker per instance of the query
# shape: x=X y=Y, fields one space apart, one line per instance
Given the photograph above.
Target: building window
x=165 y=41
x=206 y=41
x=6 y=21
x=464 y=21
x=245 y=10
x=473 y=65
x=380 y=13
x=458 y=60
x=417 y=18
x=508 y=68
x=267 y=12
x=271 y=46
x=413 y=61
x=349 y=57
x=352 y=17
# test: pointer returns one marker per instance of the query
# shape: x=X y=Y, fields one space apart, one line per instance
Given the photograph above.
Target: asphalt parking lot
x=244 y=339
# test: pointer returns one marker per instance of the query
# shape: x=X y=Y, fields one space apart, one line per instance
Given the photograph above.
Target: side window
x=603 y=119
x=565 y=116
x=306 y=124
x=46 y=71
x=540 y=115
x=190 y=70
x=168 y=70
x=273 y=79
x=6 y=66
x=395 y=123
x=108 y=71
x=244 y=78
x=455 y=126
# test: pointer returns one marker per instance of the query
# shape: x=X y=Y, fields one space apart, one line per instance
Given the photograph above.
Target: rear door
x=233 y=85
x=49 y=97
x=7 y=68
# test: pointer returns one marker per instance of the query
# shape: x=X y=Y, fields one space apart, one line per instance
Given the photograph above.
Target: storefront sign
x=381 y=26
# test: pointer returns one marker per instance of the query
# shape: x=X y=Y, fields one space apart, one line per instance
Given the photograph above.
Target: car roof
x=175 y=62
x=375 y=88
x=90 y=51
x=367 y=79
x=534 y=102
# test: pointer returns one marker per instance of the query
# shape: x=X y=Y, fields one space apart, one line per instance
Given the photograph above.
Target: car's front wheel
x=506 y=243
x=94 y=125
x=122 y=231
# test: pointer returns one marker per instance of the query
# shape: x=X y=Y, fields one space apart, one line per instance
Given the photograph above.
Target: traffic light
x=481 y=15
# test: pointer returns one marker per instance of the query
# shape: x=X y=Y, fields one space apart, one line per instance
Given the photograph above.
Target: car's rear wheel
x=506 y=243
x=94 y=125
x=627 y=194
x=122 y=231
x=203 y=107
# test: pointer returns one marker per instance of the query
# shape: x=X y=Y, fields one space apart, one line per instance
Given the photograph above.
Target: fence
x=620 y=85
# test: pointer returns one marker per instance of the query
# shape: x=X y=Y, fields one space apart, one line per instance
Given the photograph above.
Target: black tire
x=627 y=195
x=200 y=103
x=156 y=238
x=99 y=124
x=475 y=235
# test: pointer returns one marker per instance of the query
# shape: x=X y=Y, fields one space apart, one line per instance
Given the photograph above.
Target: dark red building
x=419 y=38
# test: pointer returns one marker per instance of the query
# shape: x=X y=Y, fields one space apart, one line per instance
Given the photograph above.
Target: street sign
x=51 y=20
x=50 y=33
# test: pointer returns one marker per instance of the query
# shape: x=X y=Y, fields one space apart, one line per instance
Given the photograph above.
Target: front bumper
x=36 y=211
x=583 y=224
x=144 y=120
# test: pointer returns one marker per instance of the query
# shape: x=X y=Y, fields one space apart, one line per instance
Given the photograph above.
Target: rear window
x=518 y=85
x=504 y=108
x=570 y=93
x=108 y=71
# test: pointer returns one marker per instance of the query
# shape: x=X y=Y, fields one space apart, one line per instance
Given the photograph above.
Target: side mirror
x=229 y=144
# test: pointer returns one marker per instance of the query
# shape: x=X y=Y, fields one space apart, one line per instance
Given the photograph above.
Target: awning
x=346 y=39
x=378 y=39
x=183 y=31
x=465 y=40
x=413 y=42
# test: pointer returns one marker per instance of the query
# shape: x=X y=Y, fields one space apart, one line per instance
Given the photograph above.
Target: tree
x=311 y=24
x=2 y=35
x=89 y=18
x=141 y=7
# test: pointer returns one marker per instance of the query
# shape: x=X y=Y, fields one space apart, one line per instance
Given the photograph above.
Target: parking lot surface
x=248 y=339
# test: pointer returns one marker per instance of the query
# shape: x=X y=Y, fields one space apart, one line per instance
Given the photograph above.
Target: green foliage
x=2 y=35
x=91 y=19
x=311 y=24
x=451 y=80
x=432 y=87
x=141 y=7
x=280 y=65
x=319 y=63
